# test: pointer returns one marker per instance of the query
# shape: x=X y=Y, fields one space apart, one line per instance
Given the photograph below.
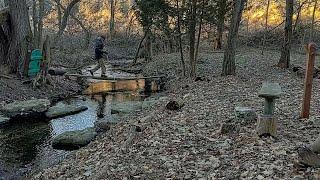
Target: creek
x=25 y=147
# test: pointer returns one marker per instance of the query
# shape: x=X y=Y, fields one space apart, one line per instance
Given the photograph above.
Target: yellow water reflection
x=121 y=85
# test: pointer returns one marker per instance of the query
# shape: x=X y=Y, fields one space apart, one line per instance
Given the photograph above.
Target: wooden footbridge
x=114 y=78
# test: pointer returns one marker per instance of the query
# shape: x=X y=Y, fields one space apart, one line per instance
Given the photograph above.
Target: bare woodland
x=213 y=57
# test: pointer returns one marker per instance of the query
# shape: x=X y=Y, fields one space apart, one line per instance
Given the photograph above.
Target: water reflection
x=19 y=143
x=150 y=85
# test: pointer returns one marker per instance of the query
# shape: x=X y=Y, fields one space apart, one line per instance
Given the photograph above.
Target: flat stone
x=61 y=110
x=245 y=115
x=73 y=140
x=36 y=107
x=270 y=90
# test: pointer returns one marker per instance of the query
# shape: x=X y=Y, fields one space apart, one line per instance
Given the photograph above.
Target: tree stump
x=267 y=123
x=267 y=126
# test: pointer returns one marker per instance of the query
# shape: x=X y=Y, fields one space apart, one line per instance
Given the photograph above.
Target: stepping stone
x=62 y=110
x=74 y=140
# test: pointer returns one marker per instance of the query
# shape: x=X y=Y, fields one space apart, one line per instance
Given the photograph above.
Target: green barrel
x=35 y=61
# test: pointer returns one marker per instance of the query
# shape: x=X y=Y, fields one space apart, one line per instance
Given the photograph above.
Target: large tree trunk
x=229 y=65
x=112 y=18
x=284 y=61
x=21 y=36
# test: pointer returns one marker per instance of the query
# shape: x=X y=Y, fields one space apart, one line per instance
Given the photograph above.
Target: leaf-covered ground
x=186 y=144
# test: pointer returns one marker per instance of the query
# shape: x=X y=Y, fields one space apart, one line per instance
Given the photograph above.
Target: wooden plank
x=111 y=78
x=312 y=51
x=4 y=13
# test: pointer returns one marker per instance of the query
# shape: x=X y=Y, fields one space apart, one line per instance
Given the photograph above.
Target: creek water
x=26 y=146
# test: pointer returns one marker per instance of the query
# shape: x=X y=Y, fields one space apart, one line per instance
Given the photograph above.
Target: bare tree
x=284 y=61
x=229 y=65
x=65 y=17
x=86 y=30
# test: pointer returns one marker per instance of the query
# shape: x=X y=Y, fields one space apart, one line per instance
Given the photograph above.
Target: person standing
x=98 y=51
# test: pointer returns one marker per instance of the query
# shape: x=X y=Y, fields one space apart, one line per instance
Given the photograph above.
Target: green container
x=35 y=61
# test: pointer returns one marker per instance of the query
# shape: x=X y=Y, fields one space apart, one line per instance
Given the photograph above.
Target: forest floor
x=187 y=144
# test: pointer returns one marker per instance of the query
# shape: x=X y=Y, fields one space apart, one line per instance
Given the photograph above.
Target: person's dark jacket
x=99 y=49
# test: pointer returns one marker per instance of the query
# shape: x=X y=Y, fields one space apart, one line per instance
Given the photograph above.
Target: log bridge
x=113 y=78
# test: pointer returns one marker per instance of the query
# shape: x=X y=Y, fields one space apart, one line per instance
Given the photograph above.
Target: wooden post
x=312 y=51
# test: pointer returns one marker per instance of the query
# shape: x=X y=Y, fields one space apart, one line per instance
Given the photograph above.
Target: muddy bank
x=16 y=89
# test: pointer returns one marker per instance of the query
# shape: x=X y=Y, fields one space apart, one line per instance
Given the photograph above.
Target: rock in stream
x=31 y=108
x=74 y=140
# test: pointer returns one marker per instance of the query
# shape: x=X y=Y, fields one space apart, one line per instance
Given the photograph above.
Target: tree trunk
x=192 y=34
x=284 y=61
x=4 y=41
x=220 y=23
x=298 y=15
x=21 y=37
x=229 y=65
x=35 y=23
x=180 y=40
x=139 y=48
x=148 y=45
x=40 y=22
x=65 y=18
x=199 y=31
x=112 y=18
x=265 y=28
x=59 y=14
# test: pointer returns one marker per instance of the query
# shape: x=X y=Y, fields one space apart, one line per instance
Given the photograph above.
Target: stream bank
x=188 y=144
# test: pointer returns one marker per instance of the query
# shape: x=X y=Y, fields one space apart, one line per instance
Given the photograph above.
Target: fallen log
x=57 y=71
x=5 y=76
x=112 y=78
